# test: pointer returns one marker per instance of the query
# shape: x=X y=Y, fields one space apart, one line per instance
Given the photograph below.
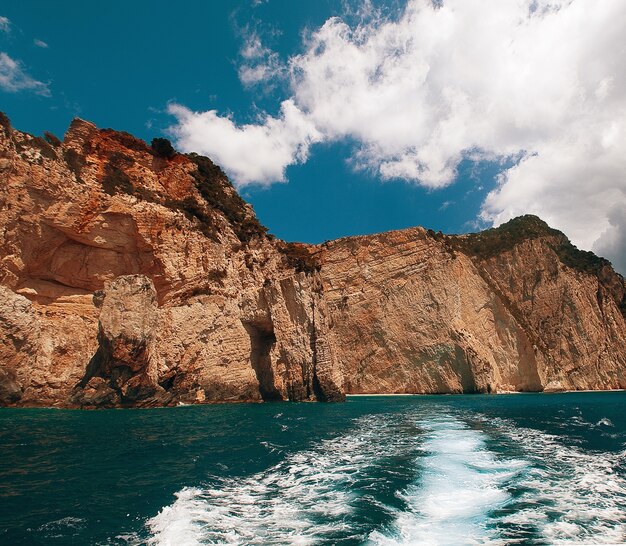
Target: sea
x=524 y=469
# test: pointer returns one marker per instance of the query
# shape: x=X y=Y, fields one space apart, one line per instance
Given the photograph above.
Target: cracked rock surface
x=132 y=279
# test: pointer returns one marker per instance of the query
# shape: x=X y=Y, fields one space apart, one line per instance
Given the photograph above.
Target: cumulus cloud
x=5 y=24
x=13 y=78
x=40 y=43
x=612 y=242
x=251 y=153
x=537 y=82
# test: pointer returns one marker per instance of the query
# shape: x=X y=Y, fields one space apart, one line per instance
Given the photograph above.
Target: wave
x=306 y=499
x=549 y=493
x=63 y=527
x=568 y=495
x=491 y=482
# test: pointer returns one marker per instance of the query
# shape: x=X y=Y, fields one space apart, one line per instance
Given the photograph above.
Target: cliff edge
x=131 y=275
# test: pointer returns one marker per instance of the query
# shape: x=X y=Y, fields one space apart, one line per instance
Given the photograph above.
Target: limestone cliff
x=516 y=308
x=131 y=275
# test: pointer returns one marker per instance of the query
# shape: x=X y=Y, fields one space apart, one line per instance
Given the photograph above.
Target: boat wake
x=467 y=480
x=567 y=495
x=461 y=483
x=309 y=498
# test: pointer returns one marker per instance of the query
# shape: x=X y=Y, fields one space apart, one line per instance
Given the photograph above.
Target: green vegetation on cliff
x=220 y=194
x=491 y=242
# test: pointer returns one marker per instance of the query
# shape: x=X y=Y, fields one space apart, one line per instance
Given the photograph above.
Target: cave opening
x=262 y=341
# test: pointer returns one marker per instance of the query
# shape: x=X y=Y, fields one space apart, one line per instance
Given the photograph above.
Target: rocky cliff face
x=513 y=309
x=134 y=276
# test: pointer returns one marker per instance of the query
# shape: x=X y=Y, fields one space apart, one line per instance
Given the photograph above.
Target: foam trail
x=462 y=493
x=568 y=495
x=460 y=483
x=306 y=499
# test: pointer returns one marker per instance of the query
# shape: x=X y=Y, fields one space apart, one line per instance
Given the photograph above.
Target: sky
x=338 y=117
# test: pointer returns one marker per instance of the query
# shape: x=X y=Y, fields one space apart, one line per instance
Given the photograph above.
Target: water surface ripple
x=458 y=470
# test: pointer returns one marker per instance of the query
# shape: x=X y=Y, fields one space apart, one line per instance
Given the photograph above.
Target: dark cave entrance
x=262 y=340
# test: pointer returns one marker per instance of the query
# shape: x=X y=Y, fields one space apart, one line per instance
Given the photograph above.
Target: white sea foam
x=605 y=421
x=64 y=527
x=304 y=499
x=464 y=492
x=460 y=483
x=570 y=496
x=69 y=521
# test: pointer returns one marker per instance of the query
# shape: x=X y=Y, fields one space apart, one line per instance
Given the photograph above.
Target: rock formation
x=131 y=275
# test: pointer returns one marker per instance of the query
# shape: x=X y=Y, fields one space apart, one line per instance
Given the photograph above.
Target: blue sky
x=337 y=118
x=119 y=67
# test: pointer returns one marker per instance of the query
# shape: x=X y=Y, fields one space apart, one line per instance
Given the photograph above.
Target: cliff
x=131 y=275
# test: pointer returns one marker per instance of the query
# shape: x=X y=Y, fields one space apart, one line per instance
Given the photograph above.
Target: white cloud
x=13 y=78
x=40 y=43
x=250 y=153
x=260 y=65
x=540 y=80
x=5 y=24
x=612 y=242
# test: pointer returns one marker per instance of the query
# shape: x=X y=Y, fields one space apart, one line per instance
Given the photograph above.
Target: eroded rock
x=134 y=277
x=123 y=370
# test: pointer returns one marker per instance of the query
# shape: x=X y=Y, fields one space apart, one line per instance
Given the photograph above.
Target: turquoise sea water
x=506 y=469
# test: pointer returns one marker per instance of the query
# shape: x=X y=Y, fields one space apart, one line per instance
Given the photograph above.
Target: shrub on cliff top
x=192 y=209
x=583 y=260
x=52 y=139
x=163 y=148
x=219 y=194
x=5 y=121
x=127 y=140
x=490 y=242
